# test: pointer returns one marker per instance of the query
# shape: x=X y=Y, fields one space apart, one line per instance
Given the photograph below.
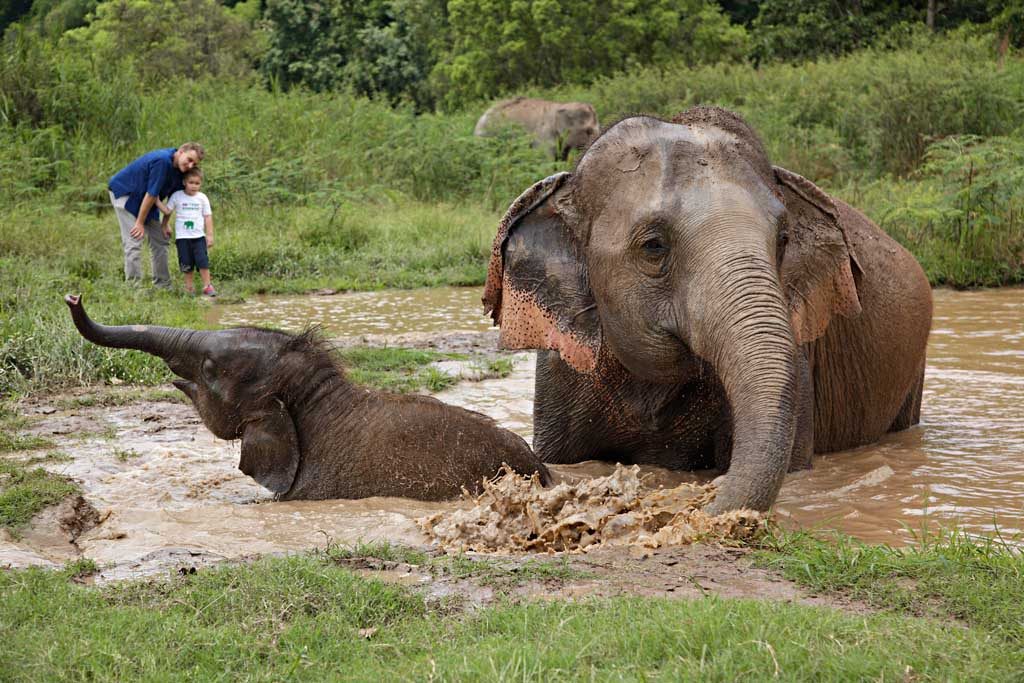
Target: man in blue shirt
x=134 y=191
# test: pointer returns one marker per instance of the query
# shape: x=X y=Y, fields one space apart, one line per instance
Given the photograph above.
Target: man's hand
x=167 y=231
x=209 y=242
x=137 y=230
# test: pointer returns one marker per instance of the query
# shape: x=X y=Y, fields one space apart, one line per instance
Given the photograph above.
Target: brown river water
x=170 y=494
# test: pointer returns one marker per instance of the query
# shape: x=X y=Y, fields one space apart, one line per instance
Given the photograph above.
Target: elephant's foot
x=910 y=411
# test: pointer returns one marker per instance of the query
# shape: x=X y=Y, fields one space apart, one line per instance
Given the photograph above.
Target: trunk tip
x=73 y=300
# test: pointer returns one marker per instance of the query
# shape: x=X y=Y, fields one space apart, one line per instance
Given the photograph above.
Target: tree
x=13 y=10
x=373 y=47
x=163 y=38
x=504 y=45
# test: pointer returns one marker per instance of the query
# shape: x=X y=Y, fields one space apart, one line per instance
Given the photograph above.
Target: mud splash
x=517 y=514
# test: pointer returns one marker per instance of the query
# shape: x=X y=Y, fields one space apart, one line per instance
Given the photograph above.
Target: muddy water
x=384 y=313
x=170 y=494
x=964 y=465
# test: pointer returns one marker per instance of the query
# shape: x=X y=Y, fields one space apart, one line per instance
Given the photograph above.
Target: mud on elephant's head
x=675 y=246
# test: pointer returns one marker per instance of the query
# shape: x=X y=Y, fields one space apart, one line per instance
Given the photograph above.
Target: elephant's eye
x=654 y=248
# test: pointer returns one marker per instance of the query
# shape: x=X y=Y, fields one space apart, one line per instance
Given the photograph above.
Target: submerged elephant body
x=556 y=126
x=700 y=308
x=309 y=433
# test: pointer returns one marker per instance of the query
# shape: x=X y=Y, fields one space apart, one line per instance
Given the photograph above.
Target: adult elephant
x=704 y=309
x=557 y=126
x=309 y=433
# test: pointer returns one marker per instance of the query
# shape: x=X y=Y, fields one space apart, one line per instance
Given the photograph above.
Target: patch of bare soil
x=673 y=572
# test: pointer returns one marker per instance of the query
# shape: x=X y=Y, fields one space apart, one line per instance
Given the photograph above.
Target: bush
x=167 y=38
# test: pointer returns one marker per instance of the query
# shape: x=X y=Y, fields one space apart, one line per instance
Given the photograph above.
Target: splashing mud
x=516 y=514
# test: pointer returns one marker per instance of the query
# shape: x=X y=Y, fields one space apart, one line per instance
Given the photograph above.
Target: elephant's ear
x=537 y=287
x=270 y=449
x=819 y=266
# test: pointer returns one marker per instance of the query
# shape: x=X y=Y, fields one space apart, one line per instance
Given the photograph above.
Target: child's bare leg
x=189 y=283
x=204 y=274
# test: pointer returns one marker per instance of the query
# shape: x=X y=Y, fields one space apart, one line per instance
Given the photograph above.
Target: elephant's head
x=236 y=380
x=577 y=126
x=673 y=247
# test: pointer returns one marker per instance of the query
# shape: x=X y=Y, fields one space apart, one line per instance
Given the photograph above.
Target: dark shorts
x=192 y=254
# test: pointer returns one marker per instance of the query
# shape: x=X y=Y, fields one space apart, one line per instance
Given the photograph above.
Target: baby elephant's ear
x=270 y=449
x=819 y=268
x=537 y=287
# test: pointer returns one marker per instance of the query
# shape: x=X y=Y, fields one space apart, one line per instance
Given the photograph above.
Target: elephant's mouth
x=186 y=387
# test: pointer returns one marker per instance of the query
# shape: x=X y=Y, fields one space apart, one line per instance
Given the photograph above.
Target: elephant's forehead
x=700 y=136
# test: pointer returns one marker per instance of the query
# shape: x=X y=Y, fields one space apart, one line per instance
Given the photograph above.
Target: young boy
x=193 y=230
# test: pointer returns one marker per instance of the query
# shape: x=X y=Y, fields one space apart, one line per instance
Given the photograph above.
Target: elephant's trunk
x=745 y=335
x=165 y=342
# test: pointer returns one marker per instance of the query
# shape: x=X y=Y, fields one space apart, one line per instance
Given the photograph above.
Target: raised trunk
x=158 y=341
x=745 y=335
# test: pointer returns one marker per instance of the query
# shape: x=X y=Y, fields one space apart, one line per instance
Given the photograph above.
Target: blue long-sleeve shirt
x=153 y=172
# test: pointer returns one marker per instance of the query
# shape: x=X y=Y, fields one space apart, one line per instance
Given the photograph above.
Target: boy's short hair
x=193 y=147
x=194 y=171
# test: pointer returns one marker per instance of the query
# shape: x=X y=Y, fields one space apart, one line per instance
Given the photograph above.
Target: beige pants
x=133 y=247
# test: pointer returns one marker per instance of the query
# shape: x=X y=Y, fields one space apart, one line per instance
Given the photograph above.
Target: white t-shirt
x=189 y=210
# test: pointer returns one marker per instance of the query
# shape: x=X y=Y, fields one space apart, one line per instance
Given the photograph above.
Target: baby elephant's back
x=426 y=449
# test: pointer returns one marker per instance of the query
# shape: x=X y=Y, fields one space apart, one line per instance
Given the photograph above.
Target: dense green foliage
x=498 y=46
x=457 y=53
x=331 y=190
x=306 y=618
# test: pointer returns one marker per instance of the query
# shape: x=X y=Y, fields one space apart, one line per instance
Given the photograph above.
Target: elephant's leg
x=803 y=435
x=568 y=424
x=910 y=412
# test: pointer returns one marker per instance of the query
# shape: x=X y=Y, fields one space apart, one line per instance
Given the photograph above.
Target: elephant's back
x=439 y=448
x=865 y=367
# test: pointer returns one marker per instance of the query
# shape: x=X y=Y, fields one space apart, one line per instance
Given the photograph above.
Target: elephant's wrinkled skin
x=557 y=126
x=702 y=308
x=306 y=431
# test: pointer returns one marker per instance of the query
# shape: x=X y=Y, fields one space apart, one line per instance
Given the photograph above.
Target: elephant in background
x=309 y=433
x=557 y=126
x=698 y=308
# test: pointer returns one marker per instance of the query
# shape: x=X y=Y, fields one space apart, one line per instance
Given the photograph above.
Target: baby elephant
x=309 y=433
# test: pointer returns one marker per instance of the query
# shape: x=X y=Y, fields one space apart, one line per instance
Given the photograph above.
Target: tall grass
x=46 y=253
x=872 y=112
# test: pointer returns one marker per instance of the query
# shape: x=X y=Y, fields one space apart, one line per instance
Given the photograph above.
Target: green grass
x=946 y=574
x=396 y=369
x=25 y=490
x=305 y=618
x=126 y=455
x=287 y=251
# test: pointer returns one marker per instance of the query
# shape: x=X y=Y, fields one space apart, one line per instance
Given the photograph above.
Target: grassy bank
x=307 y=617
x=258 y=249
